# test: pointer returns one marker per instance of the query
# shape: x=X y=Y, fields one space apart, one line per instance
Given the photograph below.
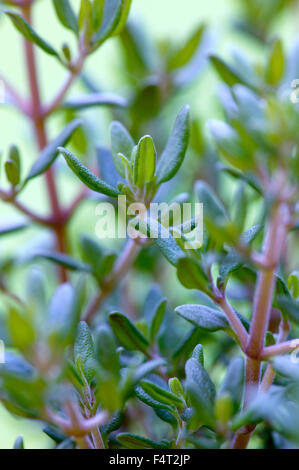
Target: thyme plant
x=85 y=354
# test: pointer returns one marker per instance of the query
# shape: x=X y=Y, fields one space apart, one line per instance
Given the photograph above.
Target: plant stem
x=98 y=440
x=18 y=101
x=234 y=321
x=273 y=246
x=40 y=132
x=84 y=442
x=269 y=375
x=282 y=348
x=122 y=266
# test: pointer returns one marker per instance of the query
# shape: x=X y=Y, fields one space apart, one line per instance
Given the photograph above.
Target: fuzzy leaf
x=112 y=15
x=65 y=14
x=227 y=73
x=85 y=349
x=95 y=99
x=63 y=260
x=127 y=333
x=89 y=179
x=126 y=5
x=276 y=65
x=26 y=30
x=157 y=318
x=132 y=441
x=213 y=207
x=174 y=153
x=121 y=142
x=204 y=317
x=144 y=161
x=182 y=56
x=190 y=274
x=161 y=394
x=50 y=152
x=12 y=228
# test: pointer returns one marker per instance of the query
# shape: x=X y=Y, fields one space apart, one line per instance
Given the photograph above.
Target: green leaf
x=233 y=382
x=63 y=260
x=108 y=392
x=201 y=393
x=143 y=396
x=85 y=349
x=15 y=365
x=288 y=306
x=285 y=366
x=106 y=350
x=112 y=15
x=240 y=207
x=293 y=284
x=157 y=319
x=176 y=387
x=12 y=228
x=196 y=373
x=54 y=433
x=107 y=168
x=227 y=73
x=233 y=260
x=276 y=64
x=65 y=14
x=212 y=206
x=198 y=354
x=147 y=368
x=203 y=317
x=50 y=152
x=223 y=409
x=97 y=11
x=89 y=179
x=229 y=144
x=126 y=5
x=182 y=56
x=127 y=333
x=175 y=150
x=265 y=407
x=163 y=239
x=161 y=394
x=26 y=30
x=145 y=161
x=13 y=166
x=21 y=330
x=121 y=142
x=86 y=21
x=63 y=315
x=101 y=263
x=191 y=275
x=113 y=424
x=186 y=345
x=95 y=99
x=132 y=441
x=91 y=250
x=106 y=265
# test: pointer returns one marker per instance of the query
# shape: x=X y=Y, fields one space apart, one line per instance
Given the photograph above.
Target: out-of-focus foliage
x=109 y=362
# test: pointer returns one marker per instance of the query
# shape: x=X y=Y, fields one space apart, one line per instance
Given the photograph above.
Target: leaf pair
x=140 y=161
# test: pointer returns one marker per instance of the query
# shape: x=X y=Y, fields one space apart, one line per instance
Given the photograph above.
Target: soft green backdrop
x=163 y=18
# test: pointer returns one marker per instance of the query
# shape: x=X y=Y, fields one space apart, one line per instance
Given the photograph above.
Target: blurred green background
x=162 y=18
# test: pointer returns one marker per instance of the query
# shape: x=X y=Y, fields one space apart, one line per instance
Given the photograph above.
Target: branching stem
x=122 y=266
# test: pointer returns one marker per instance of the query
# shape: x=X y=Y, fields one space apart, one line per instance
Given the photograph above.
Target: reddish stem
x=122 y=266
x=40 y=132
x=273 y=246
